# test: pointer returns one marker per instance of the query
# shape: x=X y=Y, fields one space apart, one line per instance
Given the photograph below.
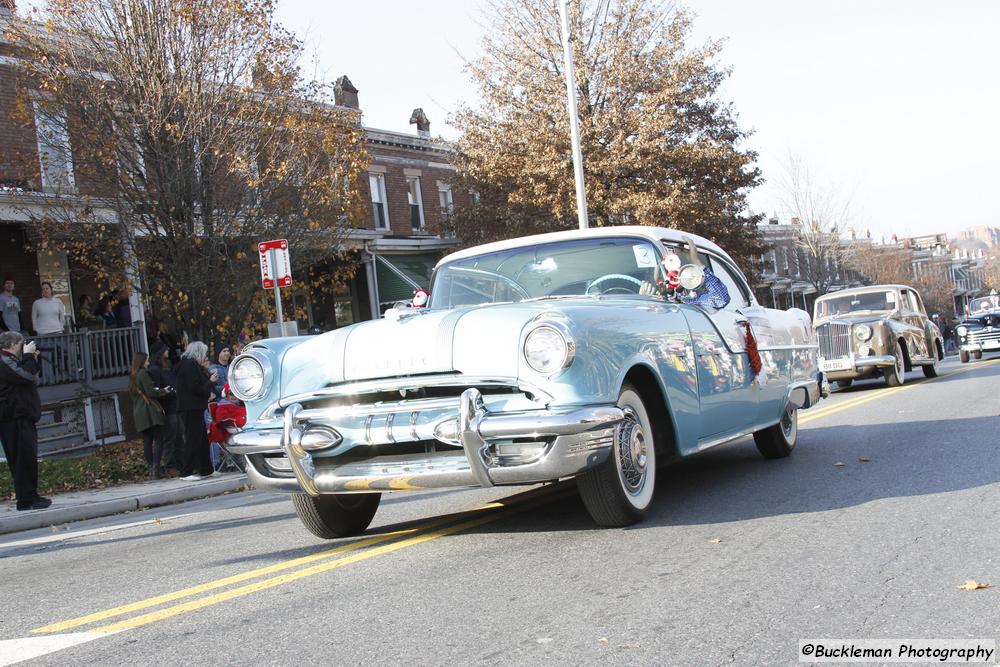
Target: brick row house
x=408 y=194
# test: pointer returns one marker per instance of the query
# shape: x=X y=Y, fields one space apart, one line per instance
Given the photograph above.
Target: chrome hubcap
x=788 y=423
x=632 y=454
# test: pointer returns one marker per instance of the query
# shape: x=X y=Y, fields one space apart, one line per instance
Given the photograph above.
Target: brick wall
x=18 y=148
x=398 y=163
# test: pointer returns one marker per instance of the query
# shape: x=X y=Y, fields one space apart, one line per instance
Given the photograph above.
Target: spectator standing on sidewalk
x=147 y=412
x=162 y=373
x=194 y=391
x=48 y=314
x=223 y=356
x=10 y=307
x=20 y=410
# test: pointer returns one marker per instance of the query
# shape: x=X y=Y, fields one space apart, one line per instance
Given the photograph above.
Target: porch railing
x=87 y=355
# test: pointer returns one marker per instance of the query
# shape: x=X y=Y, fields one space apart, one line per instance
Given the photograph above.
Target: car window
x=915 y=303
x=738 y=293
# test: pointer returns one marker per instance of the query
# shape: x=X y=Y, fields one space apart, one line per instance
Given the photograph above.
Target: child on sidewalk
x=228 y=415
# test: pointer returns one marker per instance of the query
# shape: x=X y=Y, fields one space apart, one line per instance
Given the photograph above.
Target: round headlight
x=863 y=332
x=962 y=331
x=246 y=378
x=864 y=349
x=546 y=349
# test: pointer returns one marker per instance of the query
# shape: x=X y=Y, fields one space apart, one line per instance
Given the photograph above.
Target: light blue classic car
x=594 y=354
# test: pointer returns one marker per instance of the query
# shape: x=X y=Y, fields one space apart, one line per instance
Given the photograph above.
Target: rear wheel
x=895 y=375
x=963 y=356
x=844 y=384
x=336 y=515
x=930 y=370
x=778 y=441
x=620 y=490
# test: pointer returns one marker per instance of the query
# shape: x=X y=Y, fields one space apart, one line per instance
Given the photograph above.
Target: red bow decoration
x=755 y=363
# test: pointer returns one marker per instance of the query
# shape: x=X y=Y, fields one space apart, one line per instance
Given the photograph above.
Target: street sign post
x=275 y=271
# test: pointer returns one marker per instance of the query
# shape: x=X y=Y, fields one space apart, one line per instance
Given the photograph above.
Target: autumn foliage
x=196 y=136
x=659 y=145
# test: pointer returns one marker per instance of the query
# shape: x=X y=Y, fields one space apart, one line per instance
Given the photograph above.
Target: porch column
x=136 y=307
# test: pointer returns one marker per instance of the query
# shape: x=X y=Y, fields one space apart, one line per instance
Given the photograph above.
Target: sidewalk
x=80 y=505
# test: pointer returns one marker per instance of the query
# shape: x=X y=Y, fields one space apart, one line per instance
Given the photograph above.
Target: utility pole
x=574 y=121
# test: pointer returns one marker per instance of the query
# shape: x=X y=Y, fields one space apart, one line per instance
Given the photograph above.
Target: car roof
x=862 y=290
x=653 y=234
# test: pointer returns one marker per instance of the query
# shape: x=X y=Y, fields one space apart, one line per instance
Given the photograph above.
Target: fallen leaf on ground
x=840 y=464
x=973 y=585
x=863 y=459
x=630 y=645
x=603 y=640
x=714 y=540
x=157 y=521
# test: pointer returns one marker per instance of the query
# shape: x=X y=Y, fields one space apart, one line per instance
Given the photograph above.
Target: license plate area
x=828 y=365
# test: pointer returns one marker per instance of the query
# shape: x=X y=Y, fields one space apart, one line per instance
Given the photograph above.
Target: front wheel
x=844 y=384
x=620 y=490
x=778 y=441
x=978 y=354
x=895 y=375
x=963 y=356
x=931 y=370
x=336 y=515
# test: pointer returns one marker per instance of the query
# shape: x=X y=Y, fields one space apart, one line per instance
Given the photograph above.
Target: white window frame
x=448 y=205
x=410 y=193
x=379 y=179
x=58 y=133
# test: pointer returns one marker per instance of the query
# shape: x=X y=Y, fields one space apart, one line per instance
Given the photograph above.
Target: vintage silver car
x=980 y=331
x=877 y=330
x=562 y=355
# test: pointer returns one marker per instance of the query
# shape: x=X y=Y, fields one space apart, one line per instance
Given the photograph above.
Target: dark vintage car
x=980 y=331
x=877 y=330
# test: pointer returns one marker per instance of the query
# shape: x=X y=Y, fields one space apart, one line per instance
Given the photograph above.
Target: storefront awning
x=399 y=275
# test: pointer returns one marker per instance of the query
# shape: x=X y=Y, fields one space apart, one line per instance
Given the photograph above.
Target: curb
x=59 y=515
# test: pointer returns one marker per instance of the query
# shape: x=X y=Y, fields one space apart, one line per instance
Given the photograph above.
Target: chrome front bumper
x=861 y=364
x=566 y=443
x=986 y=345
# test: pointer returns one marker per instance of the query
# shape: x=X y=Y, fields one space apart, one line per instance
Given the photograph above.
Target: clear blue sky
x=894 y=104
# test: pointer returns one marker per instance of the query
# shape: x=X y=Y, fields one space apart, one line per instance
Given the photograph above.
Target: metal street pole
x=574 y=121
x=277 y=290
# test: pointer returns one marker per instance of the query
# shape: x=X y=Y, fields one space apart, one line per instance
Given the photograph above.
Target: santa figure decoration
x=420 y=298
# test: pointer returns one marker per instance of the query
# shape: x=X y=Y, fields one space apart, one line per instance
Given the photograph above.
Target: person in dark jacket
x=20 y=410
x=147 y=412
x=194 y=391
x=162 y=372
x=123 y=309
x=168 y=340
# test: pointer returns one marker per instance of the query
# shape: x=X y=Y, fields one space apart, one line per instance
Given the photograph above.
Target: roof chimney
x=7 y=7
x=345 y=94
x=419 y=118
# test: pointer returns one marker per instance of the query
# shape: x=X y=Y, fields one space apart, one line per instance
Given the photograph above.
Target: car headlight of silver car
x=250 y=376
x=863 y=332
x=548 y=348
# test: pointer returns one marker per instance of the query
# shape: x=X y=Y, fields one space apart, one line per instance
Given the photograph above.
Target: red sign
x=275 y=264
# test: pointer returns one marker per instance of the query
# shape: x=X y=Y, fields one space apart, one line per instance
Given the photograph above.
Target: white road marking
x=67 y=533
x=13 y=651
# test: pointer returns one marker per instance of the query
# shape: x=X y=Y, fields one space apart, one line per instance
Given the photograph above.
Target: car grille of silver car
x=834 y=340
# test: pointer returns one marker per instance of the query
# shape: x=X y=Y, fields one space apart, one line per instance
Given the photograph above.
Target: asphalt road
x=889 y=503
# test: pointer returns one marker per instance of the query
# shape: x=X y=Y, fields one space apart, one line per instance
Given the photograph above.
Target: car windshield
x=984 y=304
x=550 y=270
x=853 y=303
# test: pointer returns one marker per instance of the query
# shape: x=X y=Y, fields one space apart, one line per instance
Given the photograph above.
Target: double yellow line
x=325 y=561
x=819 y=413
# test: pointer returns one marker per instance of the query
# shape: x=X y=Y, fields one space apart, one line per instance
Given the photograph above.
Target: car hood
x=868 y=318
x=991 y=319
x=476 y=341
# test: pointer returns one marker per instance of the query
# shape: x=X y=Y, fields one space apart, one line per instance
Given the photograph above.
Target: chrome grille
x=834 y=340
x=983 y=335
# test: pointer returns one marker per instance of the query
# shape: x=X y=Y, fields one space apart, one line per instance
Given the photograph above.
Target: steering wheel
x=615 y=276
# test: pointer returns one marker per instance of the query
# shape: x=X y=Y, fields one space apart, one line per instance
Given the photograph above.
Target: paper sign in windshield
x=644 y=256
